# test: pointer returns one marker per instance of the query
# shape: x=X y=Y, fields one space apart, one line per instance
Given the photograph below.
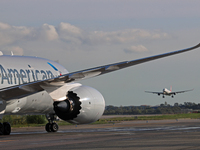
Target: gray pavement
x=144 y=135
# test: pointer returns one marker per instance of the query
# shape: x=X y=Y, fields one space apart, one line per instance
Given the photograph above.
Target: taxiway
x=152 y=134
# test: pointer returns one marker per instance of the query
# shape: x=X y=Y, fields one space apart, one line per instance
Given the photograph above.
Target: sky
x=80 y=34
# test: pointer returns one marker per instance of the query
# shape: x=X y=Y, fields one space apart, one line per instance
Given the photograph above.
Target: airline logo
x=14 y=76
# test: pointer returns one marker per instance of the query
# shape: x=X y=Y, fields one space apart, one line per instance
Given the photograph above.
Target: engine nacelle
x=83 y=105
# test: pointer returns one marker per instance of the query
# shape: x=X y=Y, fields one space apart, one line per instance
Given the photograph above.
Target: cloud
x=4 y=26
x=138 y=49
x=10 y=34
x=125 y=36
x=70 y=33
x=48 y=32
x=67 y=36
x=68 y=28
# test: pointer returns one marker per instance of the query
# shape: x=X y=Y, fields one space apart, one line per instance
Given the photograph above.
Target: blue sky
x=87 y=33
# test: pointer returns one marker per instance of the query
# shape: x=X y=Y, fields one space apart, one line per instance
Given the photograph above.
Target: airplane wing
x=92 y=72
x=159 y=93
x=28 y=88
x=181 y=91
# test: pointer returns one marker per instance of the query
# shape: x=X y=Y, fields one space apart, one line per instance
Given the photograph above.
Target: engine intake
x=69 y=108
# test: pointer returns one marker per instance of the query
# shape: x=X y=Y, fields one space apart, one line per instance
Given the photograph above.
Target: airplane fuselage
x=19 y=70
x=166 y=91
x=16 y=70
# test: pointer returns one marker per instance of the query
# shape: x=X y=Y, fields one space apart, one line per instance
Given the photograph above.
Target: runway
x=152 y=134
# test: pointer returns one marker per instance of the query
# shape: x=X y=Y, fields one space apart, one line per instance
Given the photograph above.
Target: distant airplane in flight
x=168 y=92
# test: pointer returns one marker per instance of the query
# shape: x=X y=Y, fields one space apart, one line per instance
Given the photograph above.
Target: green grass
x=119 y=119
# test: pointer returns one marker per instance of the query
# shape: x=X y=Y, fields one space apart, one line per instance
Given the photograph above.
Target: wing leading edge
x=32 y=87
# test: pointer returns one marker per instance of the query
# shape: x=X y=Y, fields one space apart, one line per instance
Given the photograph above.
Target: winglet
x=198 y=45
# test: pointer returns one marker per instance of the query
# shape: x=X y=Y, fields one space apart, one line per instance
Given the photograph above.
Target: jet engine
x=82 y=105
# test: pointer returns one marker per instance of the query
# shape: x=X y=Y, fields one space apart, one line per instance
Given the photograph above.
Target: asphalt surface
x=145 y=135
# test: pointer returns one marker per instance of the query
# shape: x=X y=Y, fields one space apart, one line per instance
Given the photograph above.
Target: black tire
x=54 y=127
x=7 y=128
x=48 y=127
x=1 y=129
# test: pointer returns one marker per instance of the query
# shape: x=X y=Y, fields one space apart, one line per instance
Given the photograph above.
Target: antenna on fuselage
x=1 y=53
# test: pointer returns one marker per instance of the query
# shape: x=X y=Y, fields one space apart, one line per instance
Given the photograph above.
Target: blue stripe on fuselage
x=52 y=66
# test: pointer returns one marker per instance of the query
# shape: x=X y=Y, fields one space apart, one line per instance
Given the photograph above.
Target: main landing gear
x=51 y=126
x=5 y=128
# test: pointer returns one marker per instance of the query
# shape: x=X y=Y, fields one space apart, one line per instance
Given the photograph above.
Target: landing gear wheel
x=48 y=127
x=7 y=128
x=51 y=127
x=1 y=129
x=54 y=127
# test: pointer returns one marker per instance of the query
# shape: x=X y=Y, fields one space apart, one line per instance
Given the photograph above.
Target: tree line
x=144 y=109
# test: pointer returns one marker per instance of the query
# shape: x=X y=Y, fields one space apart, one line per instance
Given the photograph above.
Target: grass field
x=126 y=118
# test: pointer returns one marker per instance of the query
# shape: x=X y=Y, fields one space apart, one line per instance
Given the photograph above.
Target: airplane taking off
x=33 y=85
x=168 y=92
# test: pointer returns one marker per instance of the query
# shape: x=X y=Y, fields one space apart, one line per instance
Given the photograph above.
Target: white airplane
x=168 y=92
x=33 y=85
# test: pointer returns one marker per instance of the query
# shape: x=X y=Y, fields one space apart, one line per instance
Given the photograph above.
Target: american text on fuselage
x=21 y=76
